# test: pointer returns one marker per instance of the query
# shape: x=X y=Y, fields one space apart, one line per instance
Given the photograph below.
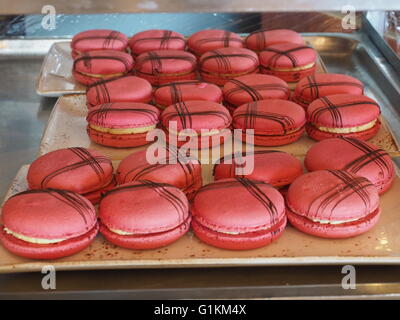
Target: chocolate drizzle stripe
x=272 y=61
x=223 y=61
x=113 y=36
x=254 y=90
x=164 y=39
x=170 y=116
x=67 y=197
x=334 y=110
x=314 y=86
x=86 y=160
x=156 y=61
x=87 y=59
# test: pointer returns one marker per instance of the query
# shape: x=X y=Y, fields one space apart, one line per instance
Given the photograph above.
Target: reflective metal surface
x=101 y=6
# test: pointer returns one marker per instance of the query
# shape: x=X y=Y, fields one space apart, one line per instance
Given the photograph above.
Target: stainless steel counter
x=23 y=116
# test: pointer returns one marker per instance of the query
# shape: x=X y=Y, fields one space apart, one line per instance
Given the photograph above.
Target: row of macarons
x=160 y=61
x=205 y=124
x=149 y=208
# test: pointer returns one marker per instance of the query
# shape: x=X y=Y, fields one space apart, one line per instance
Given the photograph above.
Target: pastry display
x=277 y=168
x=123 y=89
x=288 y=61
x=98 y=39
x=171 y=168
x=320 y=85
x=163 y=66
x=275 y=122
x=220 y=65
x=47 y=224
x=261 y=39
x=122 y=124
x=93 y=66
x=343 y=115
x=332 y=204
x=354 y=156
x=253 y=218
x=75 y=169
x=196 y=124
x=144 y=215
x=174 y=92
x=150 y=40
x=206 y=40
x=253 y=87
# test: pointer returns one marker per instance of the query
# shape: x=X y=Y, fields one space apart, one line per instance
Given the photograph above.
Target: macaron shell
x=229 y=61
x=267 y=140
x=123 y=89
x=166 y=62
x=290 y=76
x=118 y=140
x=150 y=40
x=99 y=39
x=206 y=40
x=355 y=156
x=287 y=55
x=103 y=62
x=319 y=135
x=196 y=115
x=245 y=241
x=200 y=142
x=143 y=207
x=273 y=116
x=177 y=173
x=46 y=252
x=146 y=241
x=324 y=84
x=89 y=80
x=343 y=111
x=123 y=115
x=159 y=80
x=245 y=212
x=222 y=79
x=179 y=91
x=332 y=195
x=345 y=230
x=255 y=87
x=76 y=169
x=273 y=167
x=48 y=214
x=261 y=39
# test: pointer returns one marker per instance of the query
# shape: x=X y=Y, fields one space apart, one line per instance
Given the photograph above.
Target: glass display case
x=357 y=38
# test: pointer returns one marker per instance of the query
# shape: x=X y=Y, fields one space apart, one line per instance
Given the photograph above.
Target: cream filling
x=307 y=66
x=210 y=132
x=120 y=232
x=33 y=240
x=122 y=130
x=363 y=127
x=332 y=222
x=102 y=75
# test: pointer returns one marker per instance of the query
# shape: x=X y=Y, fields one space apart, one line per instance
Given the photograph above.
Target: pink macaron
x=220 y=65
x=277 y=168
x=122 y=124
x=355 y=156
x=144 y=215
x=261 y=39
x=211 y=39
x=47 y=224
x=93 y=66
x=163 y=66
x=253 y=87
x=275 y=122
x=123 y=89
x=171 y=168
x=196 y=124
x=150 y=40
x=186 y=90
x=288 y=61
x=98 y=39
x=332 y=204
x=343 y=115
x=238 y=214
x=78 y=170
x=320 y=85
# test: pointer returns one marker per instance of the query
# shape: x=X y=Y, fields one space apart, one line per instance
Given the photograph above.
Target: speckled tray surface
x=67 y=128
x=381 y=245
